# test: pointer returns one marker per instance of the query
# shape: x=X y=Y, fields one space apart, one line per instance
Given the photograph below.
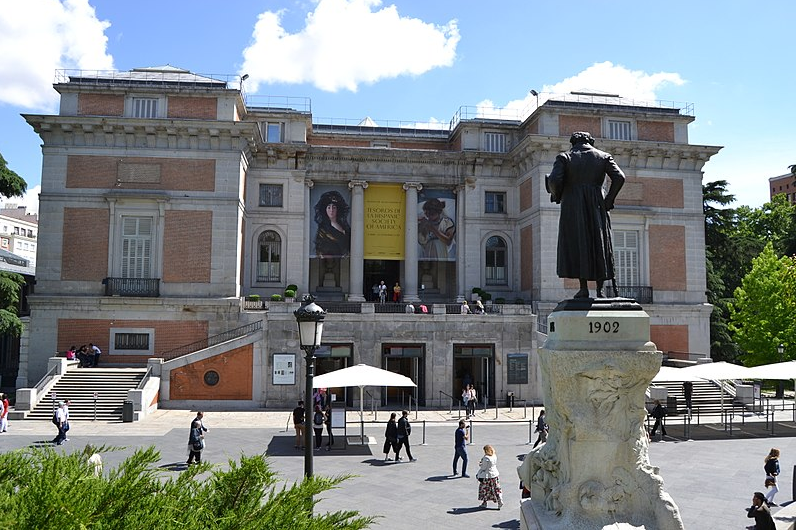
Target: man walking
x=541 y=428
x=298 y=424
x=404 y=430
x=59 y=419
x=460 y=448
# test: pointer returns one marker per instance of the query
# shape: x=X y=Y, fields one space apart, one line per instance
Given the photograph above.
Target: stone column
x=410 y=243
x=594 y=470
x=356 y=264
x=306 y=288
x=461 y=287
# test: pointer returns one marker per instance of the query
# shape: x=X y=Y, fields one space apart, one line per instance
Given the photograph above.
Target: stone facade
x=168 y=202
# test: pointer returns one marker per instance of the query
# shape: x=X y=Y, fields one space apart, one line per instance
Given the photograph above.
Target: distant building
x=783 y=184
x=167 y=196
x=10 y=345
x=19 y=231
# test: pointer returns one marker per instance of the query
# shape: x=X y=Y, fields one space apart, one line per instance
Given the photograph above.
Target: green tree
x=41 y=489
x=763 y=314
x=11 y=185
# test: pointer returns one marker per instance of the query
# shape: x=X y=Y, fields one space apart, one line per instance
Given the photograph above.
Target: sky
x=422 y=60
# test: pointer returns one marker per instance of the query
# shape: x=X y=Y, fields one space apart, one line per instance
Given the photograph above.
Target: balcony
x=640 y=293
x=141 y=287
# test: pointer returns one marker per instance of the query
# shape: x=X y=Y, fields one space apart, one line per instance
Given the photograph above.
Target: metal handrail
x=45 y=379
x=236 y=333
x=144 y=379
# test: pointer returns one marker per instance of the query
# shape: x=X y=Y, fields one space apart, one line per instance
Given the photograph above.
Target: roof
x=147 y=76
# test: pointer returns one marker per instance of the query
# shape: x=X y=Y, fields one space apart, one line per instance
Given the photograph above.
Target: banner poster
x=436 y=226
x=330 y=231
x=385 y=220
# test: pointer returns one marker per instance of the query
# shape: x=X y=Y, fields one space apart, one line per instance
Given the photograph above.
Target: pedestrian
x=489 y=479
x=95 y=352
x=382 y=292
x=404 y=431
x=317 y=426
x=298 y=424
x=328 y=421
x=658 y=412
x=772 y=470
x=472 y=400
x=60 y=421
x=200 y=418
x=541 y=428
x=688 y=392
x=760 y=512
x=196 y=443
x=460 y=438
x=390 y=438
x=465 y=308
x=4 y=417
x=396 y=292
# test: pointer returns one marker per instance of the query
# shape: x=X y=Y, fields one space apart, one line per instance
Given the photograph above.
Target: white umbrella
x=361 y=375
x=670 y=373
x=784 y=370
x=721 y=371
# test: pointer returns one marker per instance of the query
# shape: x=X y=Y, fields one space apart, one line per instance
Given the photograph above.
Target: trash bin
x=127 y=411
x=671 y=406
x=510 y=399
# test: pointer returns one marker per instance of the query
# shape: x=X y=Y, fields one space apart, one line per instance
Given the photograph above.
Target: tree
x=763 y=314
x=42 y=489
x=11 y=185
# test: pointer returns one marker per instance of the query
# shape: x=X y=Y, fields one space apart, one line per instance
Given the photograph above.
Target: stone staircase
x=79 y=385
x=706 y=398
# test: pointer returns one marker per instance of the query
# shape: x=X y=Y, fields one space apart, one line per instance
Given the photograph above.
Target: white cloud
x=604 y=77
x=30 y=199
x=37 y=38
x=345 y=43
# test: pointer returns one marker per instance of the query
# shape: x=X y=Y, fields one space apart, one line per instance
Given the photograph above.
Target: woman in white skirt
x=489 y=479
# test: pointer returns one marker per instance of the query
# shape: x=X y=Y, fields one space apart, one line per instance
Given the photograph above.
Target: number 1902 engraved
x=609 y=326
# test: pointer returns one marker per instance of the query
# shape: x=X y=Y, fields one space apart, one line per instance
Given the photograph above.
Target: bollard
x=471 y=432
x=530 y=432
x=424 y=433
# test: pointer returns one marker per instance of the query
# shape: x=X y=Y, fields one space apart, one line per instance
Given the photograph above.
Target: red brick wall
x=656 y=131
x=100 y=105
x=667 y=257
x=187 y=246
x=670 y=338
x=84 y=171
x=235 y=377
x=84 y=251
x=526 y=195
x=198 y=108
x=169 y=334
x=526 y=258
x=570 y=124
x=660 y=192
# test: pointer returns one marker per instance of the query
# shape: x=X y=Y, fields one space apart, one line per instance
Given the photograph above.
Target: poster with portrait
x=330 y=229
x=436 y=225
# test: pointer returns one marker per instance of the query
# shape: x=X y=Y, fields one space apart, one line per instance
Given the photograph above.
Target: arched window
x=269 y=264
x=496 y=273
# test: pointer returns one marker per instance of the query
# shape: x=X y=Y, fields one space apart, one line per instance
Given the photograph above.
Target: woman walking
x=391 y=438
x=317 y=426
x=196 y=443
x=489 y=479
x=772 y=470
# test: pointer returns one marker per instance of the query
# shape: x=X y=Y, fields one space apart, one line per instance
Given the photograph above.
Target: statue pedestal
x=594 y=470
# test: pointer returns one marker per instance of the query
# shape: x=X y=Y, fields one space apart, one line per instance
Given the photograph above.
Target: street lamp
x=535 y=93
x=309 y=318
x=781 y=351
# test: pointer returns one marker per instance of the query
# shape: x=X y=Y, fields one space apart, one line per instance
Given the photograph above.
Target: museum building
x=171 y=201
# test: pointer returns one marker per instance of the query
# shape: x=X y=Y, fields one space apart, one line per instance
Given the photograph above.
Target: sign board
x=284 y=369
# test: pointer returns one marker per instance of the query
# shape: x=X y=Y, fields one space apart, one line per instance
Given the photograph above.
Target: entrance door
x=377 y=270
x=405 y=360
x=474 y=365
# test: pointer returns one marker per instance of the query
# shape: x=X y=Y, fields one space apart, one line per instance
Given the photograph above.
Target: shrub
x=486 y=296
x=292 y=287
x=276 y=297
x=500 y=300
x=290 y=293
x=253 y=297
x=519 y=301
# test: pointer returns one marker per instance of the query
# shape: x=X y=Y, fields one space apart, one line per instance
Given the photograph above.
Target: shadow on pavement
x=514 y=523
x=463 y=511
x=717 y=431
x=441 y=478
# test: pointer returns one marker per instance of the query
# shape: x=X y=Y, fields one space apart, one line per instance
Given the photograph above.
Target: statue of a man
x=585 y=250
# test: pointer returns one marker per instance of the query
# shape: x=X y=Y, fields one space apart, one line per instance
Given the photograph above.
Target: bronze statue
x=585 y=250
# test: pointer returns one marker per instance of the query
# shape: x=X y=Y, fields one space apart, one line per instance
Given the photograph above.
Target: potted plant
x=290 y=294
x=276 y=297
x=486 y=297
x=476 y=294
x=253 y=297
x=500 y=300
x=519 y=301
x=292 y=287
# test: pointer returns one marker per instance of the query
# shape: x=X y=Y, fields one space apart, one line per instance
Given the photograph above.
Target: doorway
x=377 y=270
x=406 y=360
x=330 y=358
x=474 y=365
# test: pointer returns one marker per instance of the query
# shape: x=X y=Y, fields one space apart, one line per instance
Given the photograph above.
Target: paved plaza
x=711 y=478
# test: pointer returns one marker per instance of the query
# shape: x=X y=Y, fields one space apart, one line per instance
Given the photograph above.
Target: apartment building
x=19 y=231
x=783 y=184
x=168 y=197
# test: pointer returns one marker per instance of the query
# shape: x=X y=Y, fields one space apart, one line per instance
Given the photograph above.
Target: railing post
x=530 y=432
x=424 y=433
x=471 y=431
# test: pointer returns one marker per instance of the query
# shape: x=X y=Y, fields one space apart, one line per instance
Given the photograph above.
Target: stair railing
x=236 y=333
x=45 y=380
x=145 y=379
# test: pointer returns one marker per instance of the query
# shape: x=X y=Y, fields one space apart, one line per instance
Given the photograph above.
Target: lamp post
x=309 y=318
x=781 y=390
x=535 y=93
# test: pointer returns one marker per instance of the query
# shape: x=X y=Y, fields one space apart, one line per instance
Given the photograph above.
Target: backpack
x=318 y=419
x=55 y=418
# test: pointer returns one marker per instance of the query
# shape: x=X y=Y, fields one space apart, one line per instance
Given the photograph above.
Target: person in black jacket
x=328 y=422
x=772 y=471
x=391 y=438
x=404 y=430
x=760 y=512
x=658 y=412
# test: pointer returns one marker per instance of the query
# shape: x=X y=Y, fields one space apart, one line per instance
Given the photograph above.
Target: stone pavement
x=711 y=480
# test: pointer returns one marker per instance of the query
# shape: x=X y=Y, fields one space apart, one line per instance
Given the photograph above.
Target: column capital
x=309 y=183
x=417 y=185
x=354 y=183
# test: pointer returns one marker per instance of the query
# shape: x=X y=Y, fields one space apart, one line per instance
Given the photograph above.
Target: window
x=273 y=132
x=618 y=130
x=495 y=202
x=495 y=142
x=626 y=265
x=268 y=266
x=270 y=195
x=136 y=247
x=496 y=261
x=131 y=341
x=145 y=108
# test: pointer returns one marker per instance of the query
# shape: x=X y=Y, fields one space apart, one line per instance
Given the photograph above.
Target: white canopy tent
x=361 y=375
x=669 y=374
